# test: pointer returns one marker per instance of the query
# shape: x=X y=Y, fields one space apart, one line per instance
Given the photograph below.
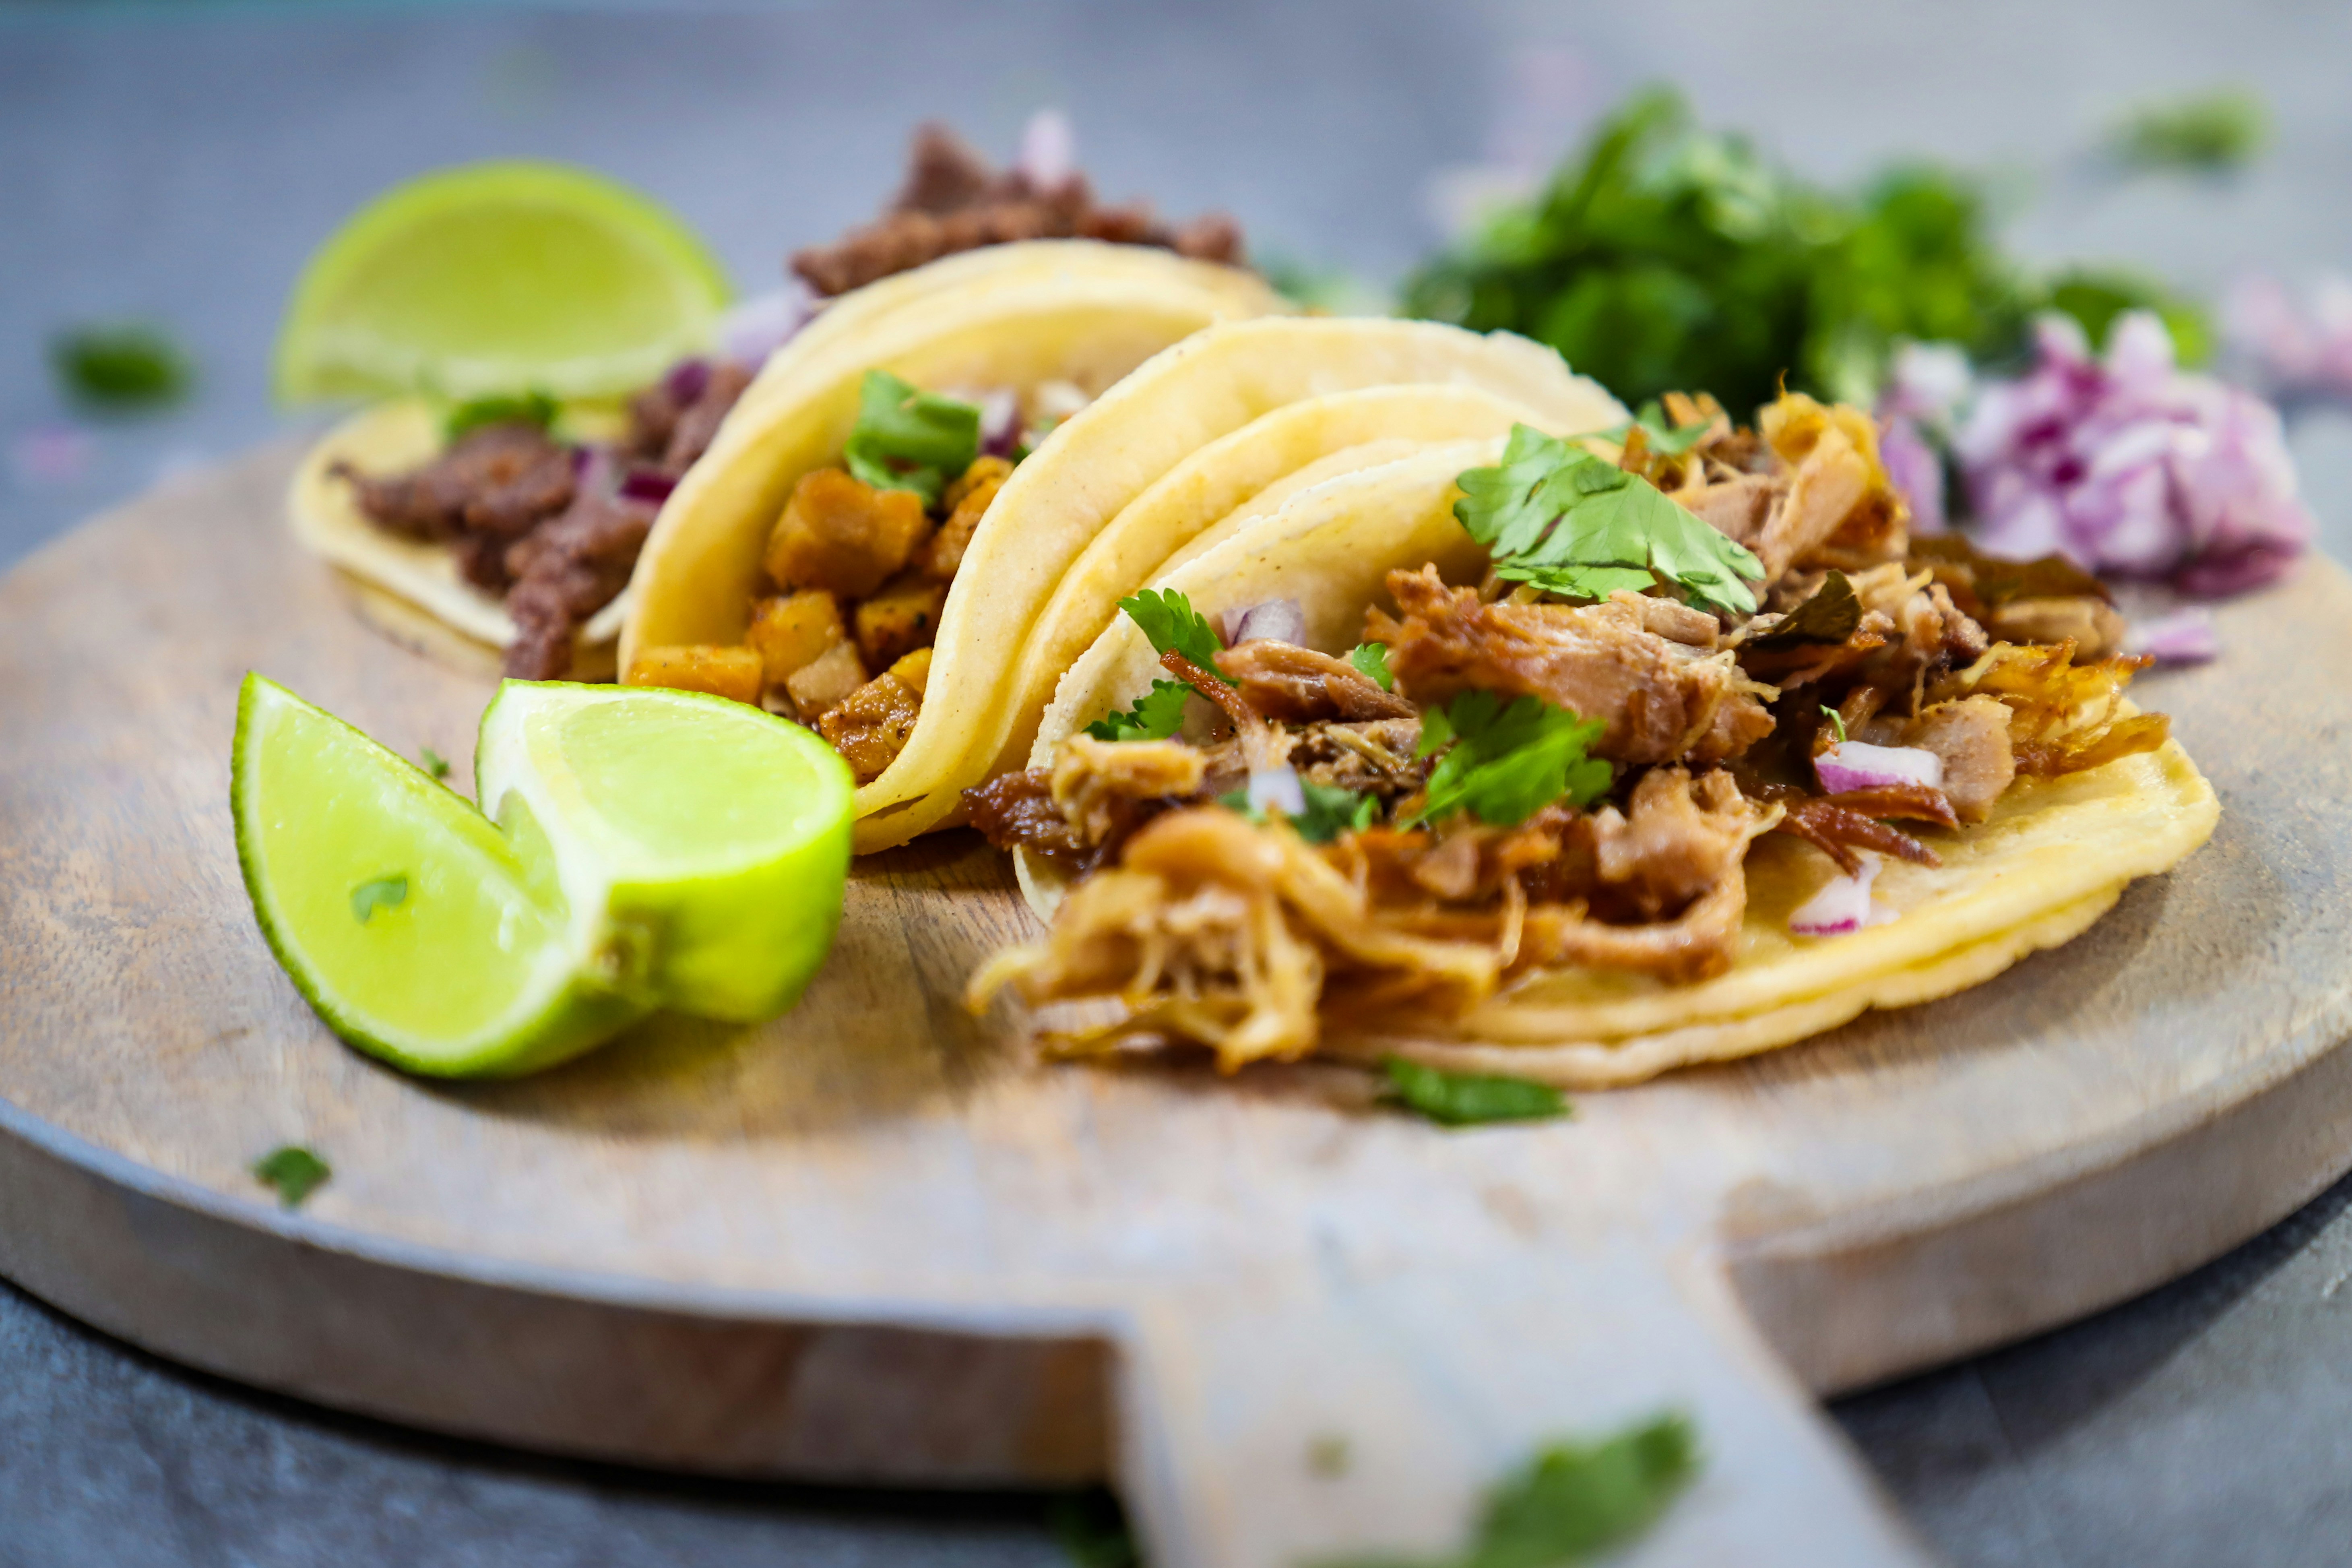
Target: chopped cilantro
x=1091 y=1529
x=1663 y=438
x=434 y=762
x=1466 y=1099
x=1558 y=517
x=1574 y=1502
x=382 y=893
x=1837 y=721
x=1829 y=617
x=294 y=1171
x=1330 y=811
x=479 y=413
x=2206 y=132
x=910 y=440
x=1157 y=714
x=1372 y=658
x=1171 y=622
x=119 y=368
x=1507 y=763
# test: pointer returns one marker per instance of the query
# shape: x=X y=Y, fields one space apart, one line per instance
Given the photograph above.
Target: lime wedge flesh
x=702 y=844
x=499 y=278
x=407 y=921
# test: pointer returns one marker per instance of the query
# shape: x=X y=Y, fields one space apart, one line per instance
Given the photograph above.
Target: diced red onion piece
x=594 y=470
x=687 y=380
x=1048 y=158
x=1278 y=620
x=1857 y=764
x=1000 y=422
x=1844 y=905
x=1277 y=789
x=2184 y=637
x=761 y=325
x=649 y=485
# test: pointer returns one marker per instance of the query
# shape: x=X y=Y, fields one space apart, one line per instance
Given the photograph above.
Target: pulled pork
x=954 y=201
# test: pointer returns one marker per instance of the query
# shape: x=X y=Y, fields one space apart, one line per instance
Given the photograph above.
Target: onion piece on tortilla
x=1857 y=764
x=1844 y=905
x=1276 y=620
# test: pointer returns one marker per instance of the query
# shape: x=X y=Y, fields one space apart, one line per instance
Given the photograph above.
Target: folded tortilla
x=2055 y=854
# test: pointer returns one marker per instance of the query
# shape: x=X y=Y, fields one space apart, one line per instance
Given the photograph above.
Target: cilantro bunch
x=1666 y=258
x=1558 y=517
x=1171 y=625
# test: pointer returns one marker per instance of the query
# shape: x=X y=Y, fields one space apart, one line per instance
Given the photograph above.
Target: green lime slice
x=701 y=844
x=419 y=931
x=496 y=278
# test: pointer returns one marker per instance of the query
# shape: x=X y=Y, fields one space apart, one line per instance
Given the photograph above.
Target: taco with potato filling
x=1581 y=760
x=516 y=523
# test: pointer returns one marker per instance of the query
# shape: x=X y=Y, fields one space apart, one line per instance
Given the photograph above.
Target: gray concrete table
x=177 y=162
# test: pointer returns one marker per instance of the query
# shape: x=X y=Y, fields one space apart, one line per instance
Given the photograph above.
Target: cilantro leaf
x=2207 y=132
x=434 y=762
x=1330 y=811
x=1506 y=763
x=1157 y=714
x=1663 y=438
x=1829 y=617
x=910 y=440
x=381 y=893
x=1372 y=658
x=121 y=368
x=479 y=413
x=294 y=1171
x=1574 y=1502
x=1466 y=1099
x=1171 y=622
x=1557 y=517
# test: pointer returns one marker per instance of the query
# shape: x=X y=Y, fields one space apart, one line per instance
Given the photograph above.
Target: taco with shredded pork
x=504 y=531
x=1577 y=761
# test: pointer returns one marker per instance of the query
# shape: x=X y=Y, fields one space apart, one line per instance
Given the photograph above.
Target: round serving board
x=876 y=1241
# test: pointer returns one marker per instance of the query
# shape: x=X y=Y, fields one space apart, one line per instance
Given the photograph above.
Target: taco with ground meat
x=742 y=567
x=1579 y=760
x=504 y=532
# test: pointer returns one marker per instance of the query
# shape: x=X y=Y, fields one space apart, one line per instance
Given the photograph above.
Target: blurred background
x=171 y=166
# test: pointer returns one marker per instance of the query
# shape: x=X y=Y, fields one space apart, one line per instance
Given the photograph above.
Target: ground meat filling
x=527 y=521
x=954 y=201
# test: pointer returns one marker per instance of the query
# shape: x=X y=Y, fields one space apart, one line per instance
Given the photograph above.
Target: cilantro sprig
x=1469 y=1099
x=294 y=1171
x=1171 y=624
x=1503 y=763
x=120 y=367
x=1372 y=659
x=907 y=439
x=1558 y=517
x=1330 y=811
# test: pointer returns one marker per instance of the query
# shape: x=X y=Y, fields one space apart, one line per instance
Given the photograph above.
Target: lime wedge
x=498 y=277
x=700 y=844
x=414 y=926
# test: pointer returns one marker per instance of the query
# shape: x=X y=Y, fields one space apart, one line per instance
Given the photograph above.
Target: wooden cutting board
x=873 y=1241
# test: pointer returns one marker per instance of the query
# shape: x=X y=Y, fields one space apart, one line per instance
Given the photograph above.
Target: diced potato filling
x=735 y=672
x=903 y=617
x=843 y=536
x=967 y=500
x=870 y=728
x=793 y=631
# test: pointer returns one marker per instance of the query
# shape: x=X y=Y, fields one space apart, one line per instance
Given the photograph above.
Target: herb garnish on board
x=1561 y=519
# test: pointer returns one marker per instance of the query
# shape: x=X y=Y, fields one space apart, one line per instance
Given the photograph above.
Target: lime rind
x=732 y=928
x=537 y=230
x=554 y=1009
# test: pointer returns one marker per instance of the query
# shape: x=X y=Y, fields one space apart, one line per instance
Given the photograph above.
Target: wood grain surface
x=876 y=1241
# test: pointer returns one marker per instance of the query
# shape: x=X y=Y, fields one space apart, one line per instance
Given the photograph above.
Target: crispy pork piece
x=1971 y=737
x=698 y=667
x=1675 y=839
x=564 y=572
x=843 y=535
x=673 y=422
x=1659 y=700
x=1016 y=811
x=2062 y=716
x=2088 y=621
x=1298 y=685
x=500 y=480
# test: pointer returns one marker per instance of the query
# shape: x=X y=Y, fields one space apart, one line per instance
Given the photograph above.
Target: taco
x=503 y=532
x=1577 y=762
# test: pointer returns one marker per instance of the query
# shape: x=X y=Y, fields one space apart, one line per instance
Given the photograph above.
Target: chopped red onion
x=1000 y=422
x=1048 y=158
x=2296 y=350
x=1857 y=764
x=2184 y=637
x=649 y=485
x=2132 y=466
x=1278 y=620
x=1277 y=789
x=1844 y=905
x=758 y=327
x=595 y=470
x=687 y=380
